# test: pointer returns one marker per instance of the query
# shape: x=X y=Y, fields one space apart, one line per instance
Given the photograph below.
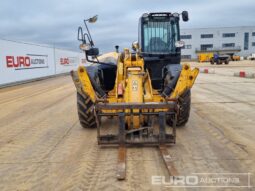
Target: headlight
x=85 y=47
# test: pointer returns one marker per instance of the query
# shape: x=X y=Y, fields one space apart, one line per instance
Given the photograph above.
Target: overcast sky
x=56 y=21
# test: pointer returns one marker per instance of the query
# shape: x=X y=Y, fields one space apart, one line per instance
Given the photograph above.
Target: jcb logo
x=134 y=85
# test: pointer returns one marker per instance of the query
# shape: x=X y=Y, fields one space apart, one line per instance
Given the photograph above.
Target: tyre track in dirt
x=47 y=149
x=28 y=117
x=30 y=90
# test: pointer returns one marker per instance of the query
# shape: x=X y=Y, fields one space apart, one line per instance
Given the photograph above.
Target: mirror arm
x=86 y=35
x=90 y=38
x=80 y=31
x=98 y=62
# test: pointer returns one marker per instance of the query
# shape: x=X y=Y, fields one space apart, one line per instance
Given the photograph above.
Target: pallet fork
x=143 y=136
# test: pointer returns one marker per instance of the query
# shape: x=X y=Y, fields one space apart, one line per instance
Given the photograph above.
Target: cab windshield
x=159 y=36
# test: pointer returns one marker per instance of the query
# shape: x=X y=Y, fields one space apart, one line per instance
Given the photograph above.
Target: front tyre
x=85 y=111
x=184 y=103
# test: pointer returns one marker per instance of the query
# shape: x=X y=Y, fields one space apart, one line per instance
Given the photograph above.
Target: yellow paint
x=134 y=93
x=236 y=58
x=205 y=57
x=86 y=84
x=137 y=87
x=186 y=80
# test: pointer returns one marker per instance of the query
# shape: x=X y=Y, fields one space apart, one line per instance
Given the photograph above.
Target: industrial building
x=223 y=40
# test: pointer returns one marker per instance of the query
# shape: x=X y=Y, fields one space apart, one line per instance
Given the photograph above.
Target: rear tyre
x=212 y=62
x=227 y=62
x=85 y=111
x=184 y=110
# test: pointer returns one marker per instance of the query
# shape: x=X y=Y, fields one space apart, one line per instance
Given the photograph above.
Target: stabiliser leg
x=121 y=166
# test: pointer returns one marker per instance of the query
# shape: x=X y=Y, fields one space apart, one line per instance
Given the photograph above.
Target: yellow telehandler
x=138 y=87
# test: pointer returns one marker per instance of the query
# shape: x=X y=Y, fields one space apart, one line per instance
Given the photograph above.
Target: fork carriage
x=143 y=136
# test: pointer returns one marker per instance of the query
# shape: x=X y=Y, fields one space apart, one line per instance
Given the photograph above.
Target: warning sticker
x=134 y=85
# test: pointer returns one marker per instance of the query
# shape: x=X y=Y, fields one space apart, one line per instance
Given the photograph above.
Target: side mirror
x=85 y=46
x=179 y=44
x=92 y=52
x=93 y=19
x=185 y=16
x=135 y=46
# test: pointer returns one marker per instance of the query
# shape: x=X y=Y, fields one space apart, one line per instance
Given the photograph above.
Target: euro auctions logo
x=205 y=180
x=68 y=61
x=30 y=61
x=64 y=61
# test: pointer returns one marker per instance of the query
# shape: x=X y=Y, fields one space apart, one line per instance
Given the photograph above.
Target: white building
x=226 y=40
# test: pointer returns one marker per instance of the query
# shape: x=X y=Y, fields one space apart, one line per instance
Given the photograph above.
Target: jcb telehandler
x=137 y=87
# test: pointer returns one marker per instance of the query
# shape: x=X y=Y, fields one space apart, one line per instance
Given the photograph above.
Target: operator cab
x=160 y=45
x=159 y=32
